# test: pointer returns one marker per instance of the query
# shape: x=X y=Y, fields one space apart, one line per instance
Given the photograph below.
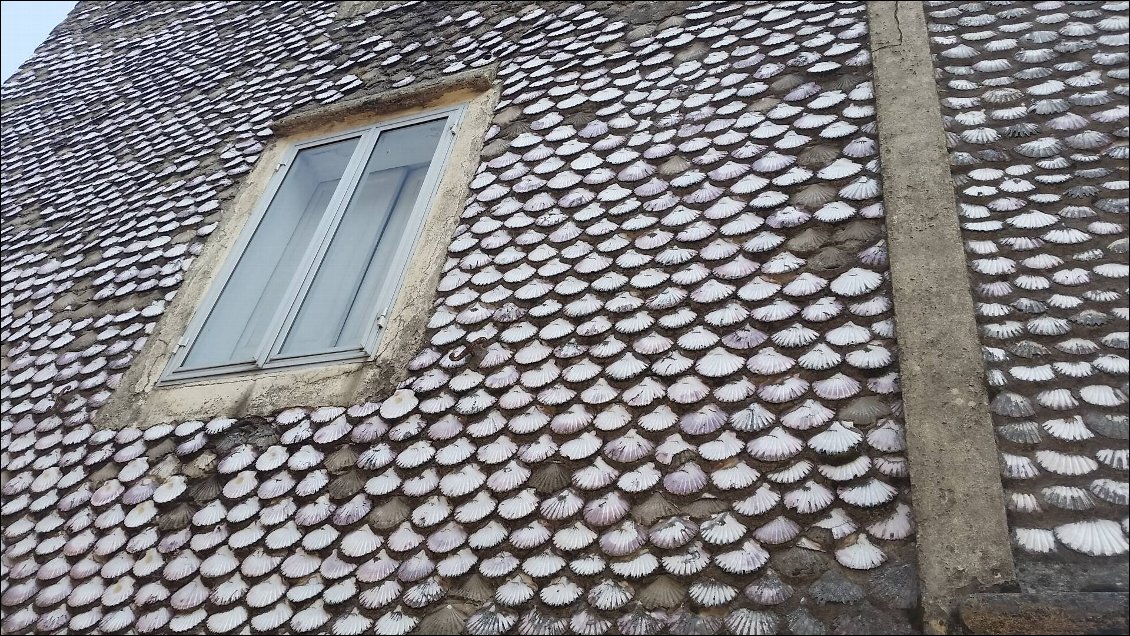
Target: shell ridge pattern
x=682 y=413
x=1036 y=102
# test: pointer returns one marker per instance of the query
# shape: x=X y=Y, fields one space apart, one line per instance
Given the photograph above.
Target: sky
x=24 y=26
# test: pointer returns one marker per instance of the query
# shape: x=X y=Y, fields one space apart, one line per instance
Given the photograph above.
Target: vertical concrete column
x=963 y=543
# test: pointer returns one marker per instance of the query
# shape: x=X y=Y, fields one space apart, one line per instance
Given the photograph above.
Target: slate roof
x=1035 y=99
x=688 y=415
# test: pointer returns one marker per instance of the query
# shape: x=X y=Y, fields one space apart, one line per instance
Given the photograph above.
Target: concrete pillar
x=963 y=541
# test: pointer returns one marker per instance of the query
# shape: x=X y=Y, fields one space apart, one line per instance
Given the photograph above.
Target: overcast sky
x=24 y=26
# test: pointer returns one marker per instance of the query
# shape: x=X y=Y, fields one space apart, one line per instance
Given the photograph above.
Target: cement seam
x=963 y=542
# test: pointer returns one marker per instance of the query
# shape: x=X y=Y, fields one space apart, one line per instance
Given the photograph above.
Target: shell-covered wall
x=1036 y=106
x=687 y=415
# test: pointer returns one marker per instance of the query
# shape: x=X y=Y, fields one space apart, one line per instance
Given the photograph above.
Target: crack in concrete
x=898 y=27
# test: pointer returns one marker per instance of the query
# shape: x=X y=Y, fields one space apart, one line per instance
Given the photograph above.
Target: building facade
x=637 y=369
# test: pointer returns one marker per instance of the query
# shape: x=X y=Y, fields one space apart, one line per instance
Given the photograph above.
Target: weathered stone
x=834 y=587
x=1046 y=613
x=801 y=621
x=896 y=585
x=822 y=536
x=866 y=619
x=1051 y=576
x=1108 y=424
x=800 y=563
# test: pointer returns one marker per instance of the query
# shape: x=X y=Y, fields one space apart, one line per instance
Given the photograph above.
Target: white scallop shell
x=868 y=494
x=1065 y=464
x=1097 y=537
x=775 y=445
x=860 y=554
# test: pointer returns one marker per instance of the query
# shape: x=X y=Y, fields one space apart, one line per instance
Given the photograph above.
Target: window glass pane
x=348 y=284
x=236 y=327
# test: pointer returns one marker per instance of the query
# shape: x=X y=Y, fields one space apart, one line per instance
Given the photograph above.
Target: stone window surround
x=141 y=400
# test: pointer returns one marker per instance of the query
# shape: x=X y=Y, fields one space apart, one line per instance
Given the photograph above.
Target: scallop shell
x=775 y=445
x=809 y=498
x=711 y=592
x=860 y=554
x=747 y=622
x=1065 y=464
x=1093 y=537
x=868 y=494
x=778 y=530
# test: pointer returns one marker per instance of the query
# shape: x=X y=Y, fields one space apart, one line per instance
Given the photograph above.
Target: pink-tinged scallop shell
x=686 y=479
x=736 y=390
x=778 y=530
x=109 y=492
x=775 y=445
x=769 y=361
x=640 y=479
x=595 y=476
x=783 y=391
x=624 y=539
x=16 y=594
x=704 y=420
x=628 y=447
x=837 y=387
x=416 y=567
x=810 y=497
x=111 y=517
x=673 y=533
x=606 y=510
x=80 y=520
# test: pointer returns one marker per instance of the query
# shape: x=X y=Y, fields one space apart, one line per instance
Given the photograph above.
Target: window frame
x=267 y=357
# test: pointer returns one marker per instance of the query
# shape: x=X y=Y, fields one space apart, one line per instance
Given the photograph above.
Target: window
x=318 y=282
x=314 y=273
